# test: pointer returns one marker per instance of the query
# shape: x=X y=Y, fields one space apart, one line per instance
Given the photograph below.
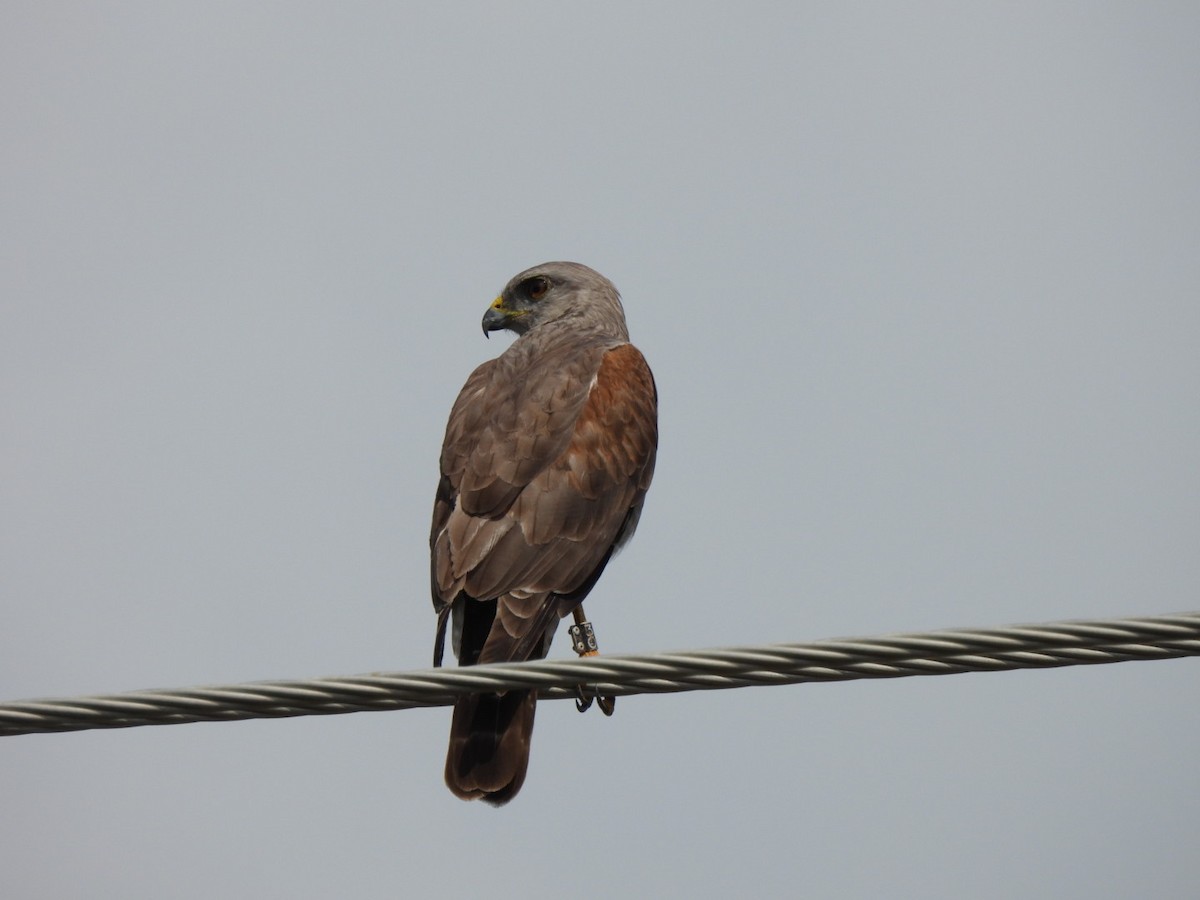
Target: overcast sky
x=920 y=290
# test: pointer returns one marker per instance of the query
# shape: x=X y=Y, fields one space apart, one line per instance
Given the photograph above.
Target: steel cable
x=1040 y=646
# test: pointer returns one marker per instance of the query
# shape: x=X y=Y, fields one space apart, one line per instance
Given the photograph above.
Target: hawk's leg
x=583 y=641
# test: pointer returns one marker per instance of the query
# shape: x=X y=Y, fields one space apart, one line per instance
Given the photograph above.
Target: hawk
x=548 y=454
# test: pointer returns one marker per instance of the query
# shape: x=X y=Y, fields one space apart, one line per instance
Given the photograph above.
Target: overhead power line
x=1040 y=646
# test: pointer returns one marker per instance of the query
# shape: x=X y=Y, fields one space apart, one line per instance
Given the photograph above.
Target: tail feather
x=489 y=745
x=490 y=733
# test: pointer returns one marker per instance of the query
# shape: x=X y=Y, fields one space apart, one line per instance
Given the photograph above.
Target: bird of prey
x=548 y=454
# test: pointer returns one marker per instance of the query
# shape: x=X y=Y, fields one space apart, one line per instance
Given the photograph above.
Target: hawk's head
x=557 y=291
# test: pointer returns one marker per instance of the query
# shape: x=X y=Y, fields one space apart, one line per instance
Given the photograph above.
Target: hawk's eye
x=538 y=287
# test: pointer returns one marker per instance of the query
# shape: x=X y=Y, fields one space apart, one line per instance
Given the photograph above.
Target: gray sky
x=919 y=288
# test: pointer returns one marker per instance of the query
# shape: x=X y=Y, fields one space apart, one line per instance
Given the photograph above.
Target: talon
x=583 y=642
x=582 y=701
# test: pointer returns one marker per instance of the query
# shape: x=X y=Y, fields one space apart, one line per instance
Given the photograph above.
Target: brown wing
x=542 y=477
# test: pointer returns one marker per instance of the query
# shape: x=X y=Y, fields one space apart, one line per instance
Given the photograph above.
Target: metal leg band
x=583 y=638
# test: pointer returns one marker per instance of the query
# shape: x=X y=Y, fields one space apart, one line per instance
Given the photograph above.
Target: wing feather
x=543 y=473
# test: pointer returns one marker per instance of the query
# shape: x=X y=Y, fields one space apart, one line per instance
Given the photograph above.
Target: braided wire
x=947 y=652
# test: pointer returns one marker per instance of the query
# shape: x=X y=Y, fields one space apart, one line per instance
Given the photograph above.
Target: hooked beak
x=495 y=319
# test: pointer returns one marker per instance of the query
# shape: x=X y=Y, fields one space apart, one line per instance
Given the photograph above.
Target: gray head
x=564 y=292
